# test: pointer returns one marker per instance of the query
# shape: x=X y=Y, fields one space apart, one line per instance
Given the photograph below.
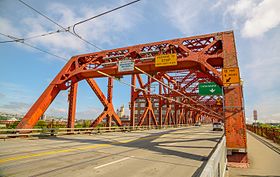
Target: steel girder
x=200 y=58
x=72 y=97
x=109 y=111
x=171 y=117
x=148 y=112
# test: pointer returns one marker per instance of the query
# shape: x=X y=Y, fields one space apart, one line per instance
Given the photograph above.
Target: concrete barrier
x=216 y=165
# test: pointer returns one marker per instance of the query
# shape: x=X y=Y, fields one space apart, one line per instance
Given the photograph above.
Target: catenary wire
x=33 y=37
x=66 y=29
x=101 y=14
x=32 y=46
x=75 y=34
x=80 y=22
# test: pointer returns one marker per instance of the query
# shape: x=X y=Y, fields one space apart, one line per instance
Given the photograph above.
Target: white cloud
x=7 y=27
x=184 y=15
x=100 y=31
x=259 y=60
x=264 y=17
x=61 y=110
x=276 y=114
x=262 y=71
x=267 y=109
x=57 y=112
x=254 y=17
x=14 y=107
x=261 y=76
x=242 y=7
x=91 y=113
x=2 y=95
x=218 y=4
x=14 y=92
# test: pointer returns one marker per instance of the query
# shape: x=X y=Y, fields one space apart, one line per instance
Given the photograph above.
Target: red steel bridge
x=199 y=59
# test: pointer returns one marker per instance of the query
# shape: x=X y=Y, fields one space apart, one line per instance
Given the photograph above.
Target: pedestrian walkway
x=264 y=158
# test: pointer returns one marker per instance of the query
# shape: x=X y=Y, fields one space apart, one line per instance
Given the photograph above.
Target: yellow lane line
x=8 y=159
x=51 y=152
x=139 y=139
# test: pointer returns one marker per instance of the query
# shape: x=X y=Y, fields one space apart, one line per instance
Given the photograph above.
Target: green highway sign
x=209 y=88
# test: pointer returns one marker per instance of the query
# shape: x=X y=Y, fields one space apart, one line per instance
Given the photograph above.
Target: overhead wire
x=101 y=14
x=57 y=24
x=43 y=15
x=32 y=46
x=74 y=33
x=65 y=29
x=33 y=37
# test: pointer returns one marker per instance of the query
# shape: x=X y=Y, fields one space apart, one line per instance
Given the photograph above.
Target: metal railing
x=267 y=132
x=11 y=133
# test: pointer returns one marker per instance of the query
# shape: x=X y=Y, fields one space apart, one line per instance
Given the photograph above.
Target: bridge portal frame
x=201 y=58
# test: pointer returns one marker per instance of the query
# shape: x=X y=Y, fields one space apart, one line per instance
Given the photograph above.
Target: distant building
x=120 y=111
x=124 y=118
x=43 y=117
x=6 y=123
x=140 y=105
x=13 y=119
x=7 y=116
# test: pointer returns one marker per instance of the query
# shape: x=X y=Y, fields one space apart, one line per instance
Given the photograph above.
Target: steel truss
x=200 y=59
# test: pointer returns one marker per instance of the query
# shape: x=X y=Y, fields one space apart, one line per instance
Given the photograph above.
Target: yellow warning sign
x=166 y=60
x=231 y=76
x=219 y=101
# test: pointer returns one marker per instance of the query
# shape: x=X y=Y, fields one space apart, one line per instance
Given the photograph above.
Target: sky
x=26 y=72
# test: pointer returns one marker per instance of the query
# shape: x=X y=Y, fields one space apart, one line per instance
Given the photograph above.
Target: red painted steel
x=72 y=97
x=109 y=111
x=199 y=59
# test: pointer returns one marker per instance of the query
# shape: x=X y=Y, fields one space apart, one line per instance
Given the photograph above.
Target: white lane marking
x=110 y=163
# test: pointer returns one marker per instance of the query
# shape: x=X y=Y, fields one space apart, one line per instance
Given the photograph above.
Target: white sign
x=125 y=65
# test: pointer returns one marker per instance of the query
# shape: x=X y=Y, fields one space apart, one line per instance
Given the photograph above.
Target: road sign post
x=209 y=88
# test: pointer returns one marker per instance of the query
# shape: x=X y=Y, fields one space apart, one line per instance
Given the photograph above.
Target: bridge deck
x=168 y=152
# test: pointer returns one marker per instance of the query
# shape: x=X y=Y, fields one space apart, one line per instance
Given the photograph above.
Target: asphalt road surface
x=166 y=152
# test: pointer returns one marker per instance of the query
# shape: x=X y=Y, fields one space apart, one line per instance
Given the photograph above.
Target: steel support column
x=132 y=101
x=149 y=96
x=160 y=106
x=149 y=107
x=236 y=140
x=107 y=103
x=72 y=98
x=39 y=107
x=109 y=98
